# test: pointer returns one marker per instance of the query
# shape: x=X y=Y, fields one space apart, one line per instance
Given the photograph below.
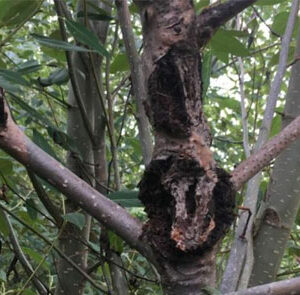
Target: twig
x=77 y=95
x=59 y=252
x=239 y=267
x=22 y=258
x=264 y=22
x=137 y=77
x=291 y=286
x=213 y=17
x=110 y=214
x=51 y=208
x=111 y=115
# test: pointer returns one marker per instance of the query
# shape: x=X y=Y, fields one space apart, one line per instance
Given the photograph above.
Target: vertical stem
x=240 y=263
x=137 y=76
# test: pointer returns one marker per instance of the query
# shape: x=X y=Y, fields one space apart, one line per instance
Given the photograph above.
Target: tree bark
x=279 y=208
x=188 y=199
x=72 y=241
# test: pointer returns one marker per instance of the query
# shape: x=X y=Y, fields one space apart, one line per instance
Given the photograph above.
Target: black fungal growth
x=157 y=195
x=167 y=99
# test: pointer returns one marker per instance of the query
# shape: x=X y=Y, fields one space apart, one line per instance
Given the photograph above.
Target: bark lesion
x=188 y=211
x=188 y=199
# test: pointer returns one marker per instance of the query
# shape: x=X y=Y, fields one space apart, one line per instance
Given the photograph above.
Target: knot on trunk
x=189 y=208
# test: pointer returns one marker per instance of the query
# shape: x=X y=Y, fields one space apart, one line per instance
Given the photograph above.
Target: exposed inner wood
x=188 y=199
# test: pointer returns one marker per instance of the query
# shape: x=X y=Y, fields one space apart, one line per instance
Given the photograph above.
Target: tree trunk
x=72 y=239
x=279 y=208
x=188 y=199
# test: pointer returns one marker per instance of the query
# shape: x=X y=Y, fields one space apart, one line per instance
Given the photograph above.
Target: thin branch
x=137 y=78
x=85 y=118
x=213 y=17
x=109 y=99
x=48 y=204
x=264 y=22
x=241 y=76
x=22 y=258
x=248 y=168
x=24 y=200
x=285 y=287
x=59 y=252
x=239 y=266
x=110 y=214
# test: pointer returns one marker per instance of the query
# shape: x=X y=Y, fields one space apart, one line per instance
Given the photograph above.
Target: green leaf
x=85 y=36
x=59 y=55
x=38 y=258
x=2 y=276
x=237 y=33
x=133 y=9
x=96 y=16
x=268 y=2
x=226 y=42
x=116 y=243
x=6 y=166
x=28 y=67
x=76 y=218
x=30 y=206
x=4 y=230
x=221 y=55
x=276 y=126
x=199 y=5
x=34 y=113
x=40 y=140
x=275 y=58
x=206 y=71
x=58 y=77
x=57 y=44
x=126 y=198
x=135 y=144
x=119 y=64
x=13 y=77
x=211 y=291
x=280 y=22
x=65 y=141
x=228 y=103
x=14 y=12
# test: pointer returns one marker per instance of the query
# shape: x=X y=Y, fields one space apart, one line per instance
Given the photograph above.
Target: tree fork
x=188 y=199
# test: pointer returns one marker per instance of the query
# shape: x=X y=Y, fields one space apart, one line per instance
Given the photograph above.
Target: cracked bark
x=188 y=199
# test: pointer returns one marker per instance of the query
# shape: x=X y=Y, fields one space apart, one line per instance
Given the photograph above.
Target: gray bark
x=280 y=206
x=240 y=263
x=71 y=241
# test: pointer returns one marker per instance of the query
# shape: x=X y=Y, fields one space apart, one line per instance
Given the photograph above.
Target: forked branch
x=19 y=146
x=213 y=17
x=248 y=168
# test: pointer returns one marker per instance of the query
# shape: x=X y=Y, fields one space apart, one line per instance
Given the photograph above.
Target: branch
x=22 y=258
x=71 y=70
x=110 y=214
x=250 y=167
x=57 y=250
x=239 y=267
x=285 y=287
x=44 y=198
x=137 y=76
x=213 y=17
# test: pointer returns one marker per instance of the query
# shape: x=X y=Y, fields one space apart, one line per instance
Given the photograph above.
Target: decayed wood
x=189 y=200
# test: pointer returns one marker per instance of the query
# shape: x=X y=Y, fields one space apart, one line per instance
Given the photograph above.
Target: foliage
x=33 y=71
